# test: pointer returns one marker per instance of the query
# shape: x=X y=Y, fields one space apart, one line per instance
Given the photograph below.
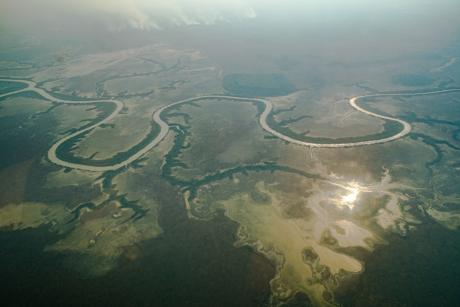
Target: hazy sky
x=160 y=14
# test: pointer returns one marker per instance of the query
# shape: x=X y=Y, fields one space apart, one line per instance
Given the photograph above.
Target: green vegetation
x=390 y=128
x=412 y=80
x=258 y=85
x=6 y=87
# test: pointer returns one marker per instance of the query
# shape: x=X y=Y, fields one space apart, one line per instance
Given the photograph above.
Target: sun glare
x=350 y=198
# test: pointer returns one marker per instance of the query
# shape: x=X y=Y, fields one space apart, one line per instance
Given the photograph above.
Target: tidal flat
x=216 y=163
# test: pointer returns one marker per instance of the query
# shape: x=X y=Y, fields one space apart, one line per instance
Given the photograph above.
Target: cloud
x=148 y=14
x=138 y=14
